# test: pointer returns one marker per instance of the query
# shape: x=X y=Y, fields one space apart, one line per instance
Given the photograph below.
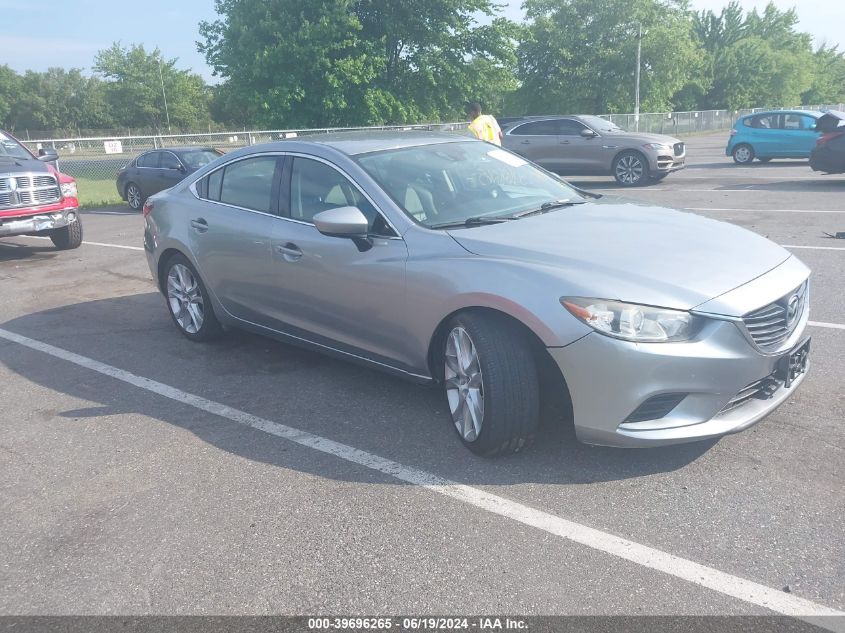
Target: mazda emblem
x=792 y=309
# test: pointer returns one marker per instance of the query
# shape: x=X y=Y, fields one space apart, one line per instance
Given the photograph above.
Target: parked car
x=35 y=198
x=571 y=145
x=774 y=134
x=160 y=169
x=448 y=260
x=829 y=153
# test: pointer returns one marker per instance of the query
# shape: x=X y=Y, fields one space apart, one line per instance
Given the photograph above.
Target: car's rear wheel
x=630 y=169
x=188 y=301
x=69 y=236
x=743 y=154
x=134 y=197
x=491 y=383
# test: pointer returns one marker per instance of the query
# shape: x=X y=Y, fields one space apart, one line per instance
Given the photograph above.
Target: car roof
x=365 y=142
x=814 y=113
x=186 y=148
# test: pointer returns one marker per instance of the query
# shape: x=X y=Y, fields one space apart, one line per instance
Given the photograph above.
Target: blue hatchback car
x=774 y=134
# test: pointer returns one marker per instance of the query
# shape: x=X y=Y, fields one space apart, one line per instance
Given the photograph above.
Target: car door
x=538 y=142
x=170 y=170
x=766 y=135
x=799 y=134
x=231 y=227
x=146 y=173
x=327 y=289
x=580 y=154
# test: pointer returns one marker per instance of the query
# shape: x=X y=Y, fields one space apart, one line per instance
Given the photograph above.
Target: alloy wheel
x=464 y=384
x=185 y=298
x=629 y=169
x=133 y=196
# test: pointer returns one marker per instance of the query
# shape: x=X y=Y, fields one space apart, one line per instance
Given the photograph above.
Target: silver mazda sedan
x=452 y=261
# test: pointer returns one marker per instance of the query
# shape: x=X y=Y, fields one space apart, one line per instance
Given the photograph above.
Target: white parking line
x=129 y=248
x=817 y=248
x=690 y=571
x=834 y=326
x=766 y=210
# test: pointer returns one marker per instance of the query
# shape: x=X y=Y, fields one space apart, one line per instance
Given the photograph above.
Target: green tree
x=351 y=62
x=134 y=79
x=828 y=82
x=580 y=55
x=9 y=90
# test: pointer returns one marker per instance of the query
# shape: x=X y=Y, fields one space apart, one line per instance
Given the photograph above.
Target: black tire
x=134 y=196
x=210 y=327
x=630 y=169
x=764 y=160
x=743 y=154
x=510 y=388
x=68 y=237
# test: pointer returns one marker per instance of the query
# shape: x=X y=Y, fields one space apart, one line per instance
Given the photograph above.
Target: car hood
x=617 y=249
x=829 y=121
x=11 y=165
x=636 y=137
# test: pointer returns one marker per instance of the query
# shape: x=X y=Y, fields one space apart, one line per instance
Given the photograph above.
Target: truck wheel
x=134 y=196
x=491 y=383
x=69 y=236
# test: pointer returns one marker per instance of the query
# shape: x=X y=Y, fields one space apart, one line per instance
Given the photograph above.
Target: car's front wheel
x=188 y=301
x=743 y=154
x=134 y=197
x=630 y=169
x=491 y=383
x=69 y=236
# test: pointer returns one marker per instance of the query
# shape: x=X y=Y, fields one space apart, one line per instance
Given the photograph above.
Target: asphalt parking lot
x=251 y=477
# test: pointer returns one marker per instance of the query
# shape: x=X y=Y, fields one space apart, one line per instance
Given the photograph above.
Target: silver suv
x=583 y=144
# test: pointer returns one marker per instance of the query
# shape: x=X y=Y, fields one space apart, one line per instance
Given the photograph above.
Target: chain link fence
x=98 y=158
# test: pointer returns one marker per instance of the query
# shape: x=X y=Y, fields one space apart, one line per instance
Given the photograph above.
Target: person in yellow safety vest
x=484 y=126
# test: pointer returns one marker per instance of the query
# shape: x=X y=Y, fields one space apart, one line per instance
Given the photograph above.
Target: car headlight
x=631 y=321
x=657 y=146
x=69 y=190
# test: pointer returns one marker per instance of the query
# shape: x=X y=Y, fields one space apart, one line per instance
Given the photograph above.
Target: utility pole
x=164 y=94
x=637 y=89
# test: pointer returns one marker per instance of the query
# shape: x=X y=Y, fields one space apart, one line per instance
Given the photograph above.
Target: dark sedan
x=160 y=169
x=829 y=154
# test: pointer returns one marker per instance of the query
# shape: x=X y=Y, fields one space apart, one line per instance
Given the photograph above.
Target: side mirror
x=346 y=222
x=48 y=154
x=588 y=133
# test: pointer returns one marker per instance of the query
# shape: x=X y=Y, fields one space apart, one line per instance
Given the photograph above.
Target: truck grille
x=771 y=325
x=23 y=190
x=679 y=149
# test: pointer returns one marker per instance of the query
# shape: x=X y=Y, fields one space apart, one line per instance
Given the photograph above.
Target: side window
x=248 y=183
x=316 y=187
x=569 y=127
x=213 y=182
x=536 y=128
x=766 y=122
x=150 y=159
x=798 y=122
x=169 y=161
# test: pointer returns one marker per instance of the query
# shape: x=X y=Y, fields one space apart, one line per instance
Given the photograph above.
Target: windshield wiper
x=546 y=206
x=476 y=220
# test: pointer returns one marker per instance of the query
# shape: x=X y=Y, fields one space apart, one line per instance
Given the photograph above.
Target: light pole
x=164 y=95
x=637 y=88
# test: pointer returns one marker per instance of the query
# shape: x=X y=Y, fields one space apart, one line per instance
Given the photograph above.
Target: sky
x=72 y=31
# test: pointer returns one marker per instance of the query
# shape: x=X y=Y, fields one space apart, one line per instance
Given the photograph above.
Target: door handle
x=289 y=251
x=200 y=224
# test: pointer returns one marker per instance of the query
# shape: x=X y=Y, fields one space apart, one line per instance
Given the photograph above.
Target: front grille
x=762 y=389
x=771 y=325
x=22 y=190
x=679 y=149
x=656 y=407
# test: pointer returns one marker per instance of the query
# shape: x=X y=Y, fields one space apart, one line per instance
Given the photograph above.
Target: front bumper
x=27 y=225
x=609 y=379
x=666 y=162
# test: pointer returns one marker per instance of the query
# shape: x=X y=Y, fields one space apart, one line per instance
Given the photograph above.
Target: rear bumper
x=37 y=223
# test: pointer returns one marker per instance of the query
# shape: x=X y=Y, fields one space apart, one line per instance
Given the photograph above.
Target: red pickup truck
x=35 y=198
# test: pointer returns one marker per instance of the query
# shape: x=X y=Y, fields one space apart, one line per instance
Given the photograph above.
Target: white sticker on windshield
x=506 y=157
x=3 y=137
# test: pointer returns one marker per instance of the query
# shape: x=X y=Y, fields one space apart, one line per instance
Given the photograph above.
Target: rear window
x=249 y=183
x=198 y=158
x=148 y=160
x=765 y=122
x=536 y=128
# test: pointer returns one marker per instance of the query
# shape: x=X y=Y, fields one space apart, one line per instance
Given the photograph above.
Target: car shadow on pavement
x=369 y=410
x=12 y=252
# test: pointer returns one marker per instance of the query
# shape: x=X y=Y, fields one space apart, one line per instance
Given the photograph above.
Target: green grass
x=97 y=193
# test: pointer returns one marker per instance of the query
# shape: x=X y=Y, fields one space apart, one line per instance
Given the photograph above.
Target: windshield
x=449 y=183
x=198 y=158
x=600 y=125
x=10 y=147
